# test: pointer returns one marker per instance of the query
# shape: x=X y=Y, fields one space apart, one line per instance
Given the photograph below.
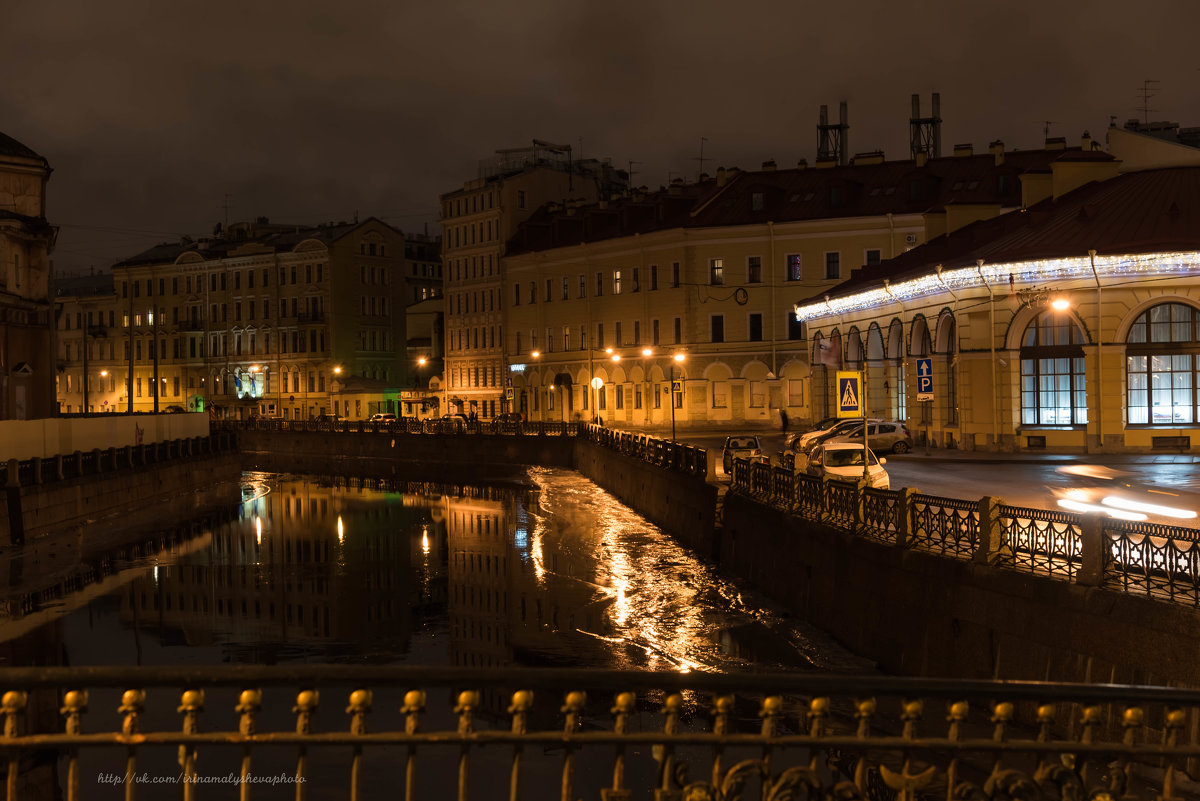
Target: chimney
x=1086 y=142
x=704 y=177
x=996 y=148
x=1056 y=143
x=768 y=166
x=720 y=176
x=964 y=150
x=863 y=159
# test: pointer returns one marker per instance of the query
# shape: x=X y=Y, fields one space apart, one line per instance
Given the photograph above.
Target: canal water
x=553 y=573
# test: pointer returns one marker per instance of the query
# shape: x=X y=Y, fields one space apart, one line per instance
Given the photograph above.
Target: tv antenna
x=1046 y=128
x=702 y=159
x=631 y=171
x=1147 y=92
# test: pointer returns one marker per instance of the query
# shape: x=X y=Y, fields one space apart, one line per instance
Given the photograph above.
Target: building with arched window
x=1071 y=325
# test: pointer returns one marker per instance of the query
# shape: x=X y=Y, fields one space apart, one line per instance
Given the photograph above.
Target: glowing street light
x=1060 y=304
x=678 y=359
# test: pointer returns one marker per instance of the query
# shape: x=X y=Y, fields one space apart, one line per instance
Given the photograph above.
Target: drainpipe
x=992 y=346
x=771 y=272
x=1099 y=354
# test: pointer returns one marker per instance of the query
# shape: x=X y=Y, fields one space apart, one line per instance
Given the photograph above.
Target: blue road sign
x=924 y=379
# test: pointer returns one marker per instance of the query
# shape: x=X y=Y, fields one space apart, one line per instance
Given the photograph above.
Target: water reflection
x=366 y=572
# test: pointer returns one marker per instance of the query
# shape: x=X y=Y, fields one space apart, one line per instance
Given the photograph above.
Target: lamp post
x=678 y=358
x=596 y=385
x=421 y=361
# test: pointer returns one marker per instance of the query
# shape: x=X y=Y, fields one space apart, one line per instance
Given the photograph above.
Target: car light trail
x=1149 y=508
x=1077 y=506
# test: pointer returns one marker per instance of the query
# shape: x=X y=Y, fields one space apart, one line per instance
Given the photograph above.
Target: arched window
x=1162 y=356
x=1053 y=390
x=919 y=347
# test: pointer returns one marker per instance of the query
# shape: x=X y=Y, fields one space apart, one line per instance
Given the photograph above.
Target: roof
x=11 y=147
x=1152 y=211
x=272 y=238
x=802 y=193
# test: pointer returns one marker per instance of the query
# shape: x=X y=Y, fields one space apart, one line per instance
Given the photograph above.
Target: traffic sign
x=508 y=393
x=849 y=394
x=924 y=379
x=677 y=386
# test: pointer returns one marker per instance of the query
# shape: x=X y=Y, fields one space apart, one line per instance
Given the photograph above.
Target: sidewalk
x=920 y=454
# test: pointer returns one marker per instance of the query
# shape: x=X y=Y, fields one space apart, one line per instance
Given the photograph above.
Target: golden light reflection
x=258 y=529
x=425 y=540
x=341 y=530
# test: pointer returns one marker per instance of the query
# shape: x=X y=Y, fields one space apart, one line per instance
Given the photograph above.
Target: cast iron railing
x=27 y=472
x=1159 y=561
x=415 y=733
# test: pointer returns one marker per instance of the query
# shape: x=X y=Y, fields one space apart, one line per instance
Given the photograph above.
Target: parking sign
x=849 y=394
x=924 y=379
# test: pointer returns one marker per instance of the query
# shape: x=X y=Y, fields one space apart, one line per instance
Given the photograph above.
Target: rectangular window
x=636 y=281
x=516 y=294
x=520 y=198
x=566 y=288
x=754 y=270
x=616 y=282
x=582 y=286
x=720 y=394
x=756 y=328
x=716 y=271
x=795 y=327
x=795 y=392
x=599 y=335
x=599 y=284
x=653 y=277
x=795 y=265
x=637 y=332
x=617 y=340
x=533 y=291
x=549 y=290
x=583 y=337
x=718 y=327
x=833 y=265
x=566 y=337
x=872 y=257
x=674 y=273
x=678 y=330
x=654 y=332
x=619 y=396
x=758 y=394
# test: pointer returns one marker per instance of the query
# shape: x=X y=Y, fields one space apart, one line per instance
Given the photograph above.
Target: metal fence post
x=904 y=515
x=991 y=533
x=1092 y=541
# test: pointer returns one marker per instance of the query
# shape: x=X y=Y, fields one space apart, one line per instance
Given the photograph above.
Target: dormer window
x=756 y=201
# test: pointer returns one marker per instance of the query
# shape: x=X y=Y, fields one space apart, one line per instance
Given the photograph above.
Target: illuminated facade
x=26 y=285
x=477 y=221
x=1072 y=325
x=602 y=298
x=262 y=319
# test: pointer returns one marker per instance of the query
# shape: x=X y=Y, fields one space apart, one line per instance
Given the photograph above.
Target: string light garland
x=1001 y=275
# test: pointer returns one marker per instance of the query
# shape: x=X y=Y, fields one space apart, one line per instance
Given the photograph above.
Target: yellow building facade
x=676 y=305
x=1072 y=325
x=261 y=320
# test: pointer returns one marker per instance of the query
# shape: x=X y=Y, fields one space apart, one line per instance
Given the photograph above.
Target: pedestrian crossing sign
x=849 y=394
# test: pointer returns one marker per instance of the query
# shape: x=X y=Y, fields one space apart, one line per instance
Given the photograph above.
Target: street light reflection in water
x=560 y=573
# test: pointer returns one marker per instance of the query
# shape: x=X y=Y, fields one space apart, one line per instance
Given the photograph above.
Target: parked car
x=892 y=437
x=805 y=442
x=510 y=417
x=743 y=447
x=383 y=417
x=328 y=417
x=174 y=409
x=844 y=461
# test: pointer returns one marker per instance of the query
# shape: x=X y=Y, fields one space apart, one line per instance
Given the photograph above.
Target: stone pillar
x=59 y=467
x=991 y=533
x=78 y=463
x=36 y=463
x=98 y=460
x=1093 y=544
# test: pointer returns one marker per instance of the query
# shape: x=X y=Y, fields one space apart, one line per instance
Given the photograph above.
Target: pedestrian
x=783 y=418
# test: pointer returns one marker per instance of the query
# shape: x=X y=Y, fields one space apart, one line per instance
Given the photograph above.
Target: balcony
x=310 y=317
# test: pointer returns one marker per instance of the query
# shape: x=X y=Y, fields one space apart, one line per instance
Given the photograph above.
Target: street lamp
x=678 y=359
x=597 y=383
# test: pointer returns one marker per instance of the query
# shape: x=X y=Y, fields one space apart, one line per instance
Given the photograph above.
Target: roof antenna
x=1147 y=86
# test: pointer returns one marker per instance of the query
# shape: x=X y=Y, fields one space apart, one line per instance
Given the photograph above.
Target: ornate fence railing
x=442 y=733
x=1141 y=558
x=28 y=472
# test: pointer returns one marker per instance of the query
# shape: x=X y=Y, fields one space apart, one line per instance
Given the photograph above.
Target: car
x=740 y=447
x=383 y=417
x=510 y=417
x=326 y=417
x=844 y=461
x=174 y=409
x=891 y=437
x=805 y=442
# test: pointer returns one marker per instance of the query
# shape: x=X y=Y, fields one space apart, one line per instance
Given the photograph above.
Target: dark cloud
x=156 y=115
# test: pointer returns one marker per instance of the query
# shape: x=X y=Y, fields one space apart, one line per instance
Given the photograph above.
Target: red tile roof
x=747 y=198
x=1138 y=212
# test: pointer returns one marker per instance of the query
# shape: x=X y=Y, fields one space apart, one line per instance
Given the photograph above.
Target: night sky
x=156 y=116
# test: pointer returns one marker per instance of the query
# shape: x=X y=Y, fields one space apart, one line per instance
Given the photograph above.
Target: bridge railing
x=440 y=732
x=1160 y=561
x=672 y=455
x=409 y=425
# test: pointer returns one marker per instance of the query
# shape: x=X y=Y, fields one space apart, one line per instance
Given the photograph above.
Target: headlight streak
x=1078 y=506
x=1149 y=508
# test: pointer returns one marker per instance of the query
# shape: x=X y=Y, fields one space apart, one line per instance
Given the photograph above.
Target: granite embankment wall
x=922 y=614
x=132 y=493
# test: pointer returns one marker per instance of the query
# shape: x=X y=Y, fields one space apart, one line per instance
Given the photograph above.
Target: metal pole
x=865 y=392
x=1099 y=355
x=85 y=365
x=672 y=395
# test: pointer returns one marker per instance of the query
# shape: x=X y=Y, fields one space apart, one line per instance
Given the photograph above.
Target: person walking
x=783 y=418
